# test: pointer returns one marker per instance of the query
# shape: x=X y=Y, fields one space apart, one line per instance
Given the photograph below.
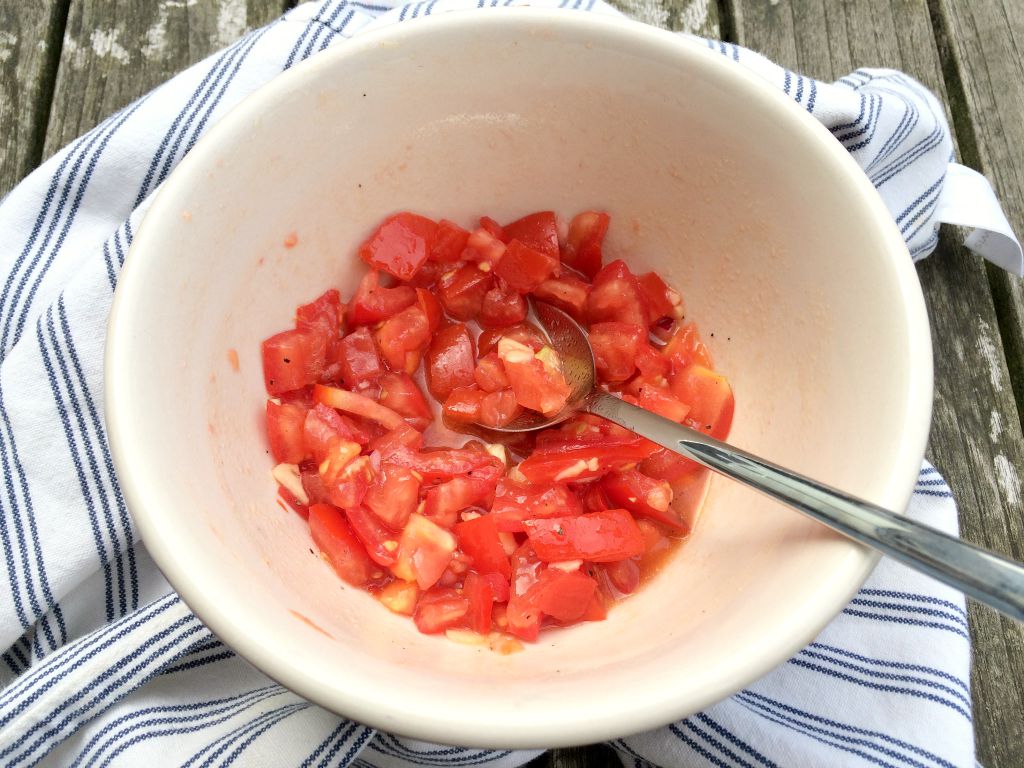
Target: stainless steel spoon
x=985 y=576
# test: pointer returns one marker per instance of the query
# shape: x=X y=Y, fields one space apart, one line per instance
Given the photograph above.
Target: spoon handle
x=985 y=576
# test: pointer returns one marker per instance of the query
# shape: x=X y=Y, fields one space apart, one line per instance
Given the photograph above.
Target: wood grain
x=116 y=50
x=976 y=436
x=30 y=41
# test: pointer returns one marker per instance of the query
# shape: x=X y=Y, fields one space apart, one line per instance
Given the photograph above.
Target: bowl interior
x=782 y=253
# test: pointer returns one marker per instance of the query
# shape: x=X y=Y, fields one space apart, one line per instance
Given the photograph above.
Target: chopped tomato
x=660 y=400
x=284 y=431
x=652 y=364
x=450 y=361
x=515 y=502
x=424 y=551
x=478 y=538
x=668 y=465
x=293 y=359
x=564 y=595
x=489 y=373
x=400 y=597
x=400 y=245
x=566 y=292
x=380 y=542
x=477 y=590
x=642 y=495
x=346 y=482
x=537 y=384
x=524 y=268
x=324 y=316
x=537 y=230
x=583 y=460
x=616 y=346
x=403 y=339
x=616 y=297
x=292 y=501
x=444 y=502
x=709 y=397
x=502 y=307
x=394 y=495
x=484 y=245
x=499 y=408
x=449 y=242
x=522 y=614
x=599 y=537
x=442 y=464
x=583 y=246
x=524 y=333
x=431 y=308
x=463 y=405
x=339 y=546
x=399 y=393
x=662 y=301
x=360 y=405
x=321 y=429
x=403 y=435
x=461 y=290
x=359 y=359
x=440 y=609
x=624 y=575
x=373 y=302
x=493 y=227
x=686 y=348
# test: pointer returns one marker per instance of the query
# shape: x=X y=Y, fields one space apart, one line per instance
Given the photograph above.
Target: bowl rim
x=573 y=727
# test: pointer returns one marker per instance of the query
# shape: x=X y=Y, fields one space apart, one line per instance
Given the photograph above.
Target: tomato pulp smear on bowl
x=505 y=534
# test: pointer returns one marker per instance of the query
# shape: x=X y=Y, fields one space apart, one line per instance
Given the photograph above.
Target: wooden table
x=66 y=64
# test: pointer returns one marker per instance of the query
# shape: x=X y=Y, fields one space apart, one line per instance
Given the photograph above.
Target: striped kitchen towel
x=103 y=663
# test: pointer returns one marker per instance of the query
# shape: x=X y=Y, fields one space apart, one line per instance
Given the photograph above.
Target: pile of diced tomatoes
x=501 y=533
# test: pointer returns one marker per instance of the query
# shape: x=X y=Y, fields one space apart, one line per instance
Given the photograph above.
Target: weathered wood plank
x=30 y=37
x=976 y=437
x=982 y=45
x=116 y=50
x=697 y=17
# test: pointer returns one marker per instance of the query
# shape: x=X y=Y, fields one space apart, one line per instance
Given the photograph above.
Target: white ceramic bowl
x=786 y=258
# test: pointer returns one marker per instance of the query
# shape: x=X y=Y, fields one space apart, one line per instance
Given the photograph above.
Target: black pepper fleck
x=287 y=360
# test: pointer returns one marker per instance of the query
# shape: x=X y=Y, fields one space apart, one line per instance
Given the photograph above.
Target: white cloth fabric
x=104 y=665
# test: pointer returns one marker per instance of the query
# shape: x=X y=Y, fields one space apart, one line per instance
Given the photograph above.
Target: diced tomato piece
x=499 y=586
x=347 y=480
x=537 y=385
x=668 y=465
x=660 y=400
x=400 y=245
x=686 y=348
x=564 y=595
x=477 y=590
x=522 y=614
x=499 y=408
x=597 y=610
x=583 y=246
x=615 y=348
x=424 y=551
x=566 y=292
x=624 y=575
x=461 y=290
x=525 y=333
x=399 y=393
x=449 y=242
x=616 y=297
x=314 y=487
x=403 y=339
x=352 y=402
x=652 y=365
x=662 y=301
x=593 y=498
x=394 y=495
x=321 y=429
x=439 y=609
x=359 y=358
x=450 y=361
x=338 y=544
x=489 y=373
x=293 y=359
x=442 y=464
x=380 y=542
x=524 y=268
x=373 y=302
x=642 y=495
x=515 y=502
x=444 y=502
x=709 y=397
x=489 y=224
x=431 y=308
x=583 y=460
x=325 y=316
x=502 y=307
x=290 y=499
x=478 y=538
x=463 y=405
x=284 y=432
x=404 y=435
x=599 y=537
x=484 y=245
x=537 y=230
x=400 y=597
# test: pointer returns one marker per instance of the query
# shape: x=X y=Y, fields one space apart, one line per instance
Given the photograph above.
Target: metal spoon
x=985 y=576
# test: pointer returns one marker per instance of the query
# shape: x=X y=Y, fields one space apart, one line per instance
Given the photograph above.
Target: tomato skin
x=537 y=230
x=515 y=502
x=484 y=245
x=710 y=399
x=489 y=373
x=662 y=301
x=642 y=495
x=400 y=245
x=402 y=436
x=652 y=364
x=624 y=575
x=478 y=538
x=583 y=460
x=438 y=610
x=501 y=307
x=424 y=551
x=346 y=483
x=431 y=308
x=403 y=338
x=668 y=465
x=616 y=297
x=353 y=402
x=293 y=359
x=449 y=242
x=524 y=333
x=499 y=408
x=322 y=428
x=599 y=537
x=444 y=502
x=494 y=228
x=284 y=432
x=583 y=246
x=393 y=496
x=450 y=361
x=524 y=268
x=660 y=400
x=461 y=291
x=399 y=393
x=686 y=348
x=564 y=595
x=566 y=292
x=373 y=302
x=379 y=541
x=616 y=346
x=463 y=405
x=339 y=545
x=477 y=590
x=442 y=464
x=359 y=358
x=324 y=315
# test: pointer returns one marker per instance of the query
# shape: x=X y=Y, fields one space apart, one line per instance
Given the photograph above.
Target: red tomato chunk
x=489 y=541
